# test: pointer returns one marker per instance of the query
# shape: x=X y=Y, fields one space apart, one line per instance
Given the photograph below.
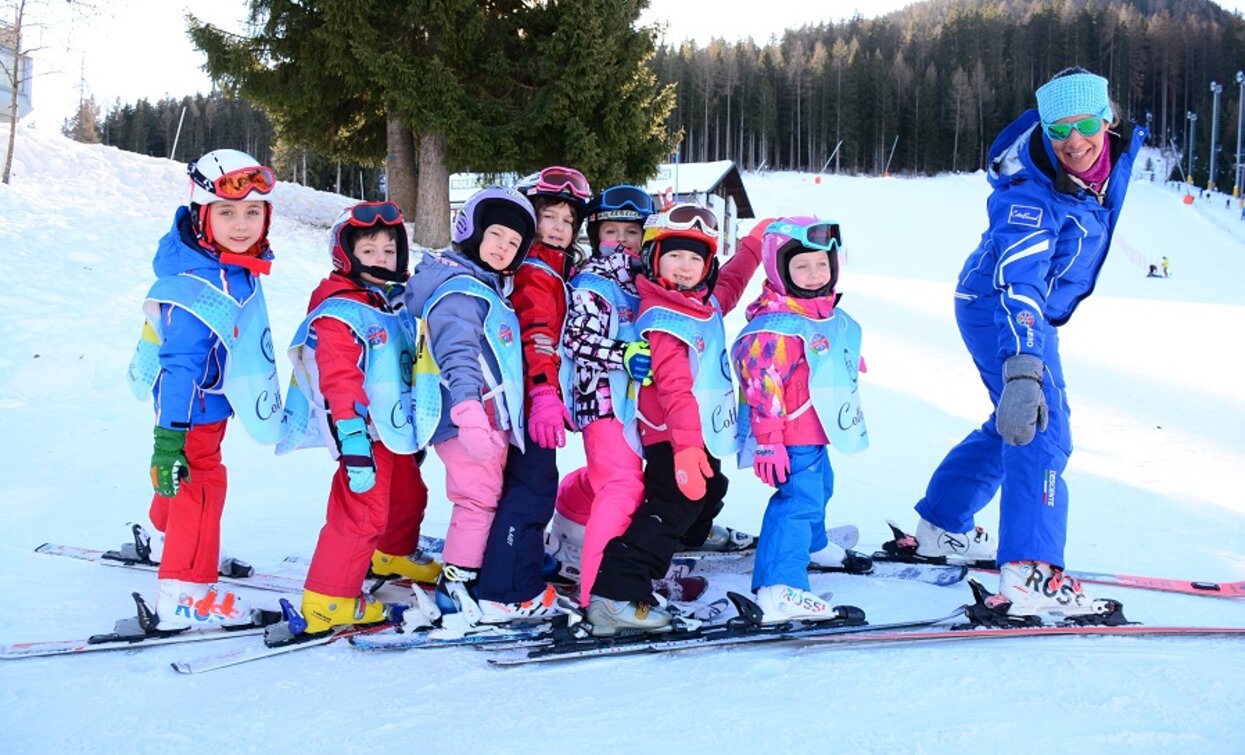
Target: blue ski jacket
x=1048 y=236
x=192 y=358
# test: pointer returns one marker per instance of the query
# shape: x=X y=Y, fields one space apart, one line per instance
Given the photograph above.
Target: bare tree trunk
x=432 y=203
x=400 y=165
x=15 y=80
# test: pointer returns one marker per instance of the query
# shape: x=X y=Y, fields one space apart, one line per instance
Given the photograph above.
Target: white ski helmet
x=227 y=175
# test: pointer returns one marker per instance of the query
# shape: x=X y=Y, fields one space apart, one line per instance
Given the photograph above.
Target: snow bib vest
x=832 y=350
x=250 y=380
x=388 y=358
x=711 y=372
x=501 y=333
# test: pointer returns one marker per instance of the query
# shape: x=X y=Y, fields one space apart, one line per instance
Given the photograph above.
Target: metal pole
x=1215 y=89
x=182 y=119
x=1240 y=112
x=1192 y=118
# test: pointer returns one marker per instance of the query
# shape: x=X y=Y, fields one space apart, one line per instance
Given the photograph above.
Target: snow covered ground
x=1155 y=375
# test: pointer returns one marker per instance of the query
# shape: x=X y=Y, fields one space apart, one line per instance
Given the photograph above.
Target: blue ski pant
x=515 y=550
x=795 y=520
x=1033 y=506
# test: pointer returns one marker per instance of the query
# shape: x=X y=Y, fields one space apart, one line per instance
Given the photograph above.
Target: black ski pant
x=666 y=522
x=515 y=550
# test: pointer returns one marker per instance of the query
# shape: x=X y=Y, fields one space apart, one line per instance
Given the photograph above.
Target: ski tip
x=181 y=668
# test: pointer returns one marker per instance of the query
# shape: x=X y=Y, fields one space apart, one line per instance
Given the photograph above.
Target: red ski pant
x=385 y=518
x=190 y=520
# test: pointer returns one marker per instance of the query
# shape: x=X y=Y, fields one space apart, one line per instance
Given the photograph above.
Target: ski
x=740 y=630
x=742 y=563
x=281 y=638
x=984 y=633
x=902 y=549
x=134 y=633
x=256 y=580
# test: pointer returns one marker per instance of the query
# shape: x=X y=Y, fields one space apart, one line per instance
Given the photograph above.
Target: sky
x=1155 y=483
x=134 y=49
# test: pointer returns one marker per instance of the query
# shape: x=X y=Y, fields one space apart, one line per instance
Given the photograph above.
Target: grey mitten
x=1021 y=412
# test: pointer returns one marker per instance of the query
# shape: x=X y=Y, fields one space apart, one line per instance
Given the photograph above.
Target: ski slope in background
x=1154 y=369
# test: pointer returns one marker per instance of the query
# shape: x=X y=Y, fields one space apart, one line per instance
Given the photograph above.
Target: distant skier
x=1154 y=272
x=1166 y=271
x=1059 y=177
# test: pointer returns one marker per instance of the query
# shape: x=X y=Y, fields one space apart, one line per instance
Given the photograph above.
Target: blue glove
x=638 y=362
x=356 y=453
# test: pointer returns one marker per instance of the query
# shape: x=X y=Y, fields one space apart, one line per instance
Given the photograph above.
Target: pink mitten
x=477 y=436
x=547 y=420
x=771 y=463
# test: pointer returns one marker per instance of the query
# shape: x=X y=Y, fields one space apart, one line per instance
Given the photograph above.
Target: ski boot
x=609 y=618
x=416 y=567
x=836 y=559
x=542 y=606
x=323 y=612
x=453 y=595
x=182 y=605
x=727 y=540
x=564 y=547
x=781 y=603
x=970 y=548
x=1035 y=588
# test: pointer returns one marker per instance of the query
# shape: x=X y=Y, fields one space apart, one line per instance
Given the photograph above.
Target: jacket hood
x=1021 y=152
x=179 y=250
x=436 y=267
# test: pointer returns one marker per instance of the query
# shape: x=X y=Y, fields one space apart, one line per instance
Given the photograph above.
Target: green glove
x=168 y=461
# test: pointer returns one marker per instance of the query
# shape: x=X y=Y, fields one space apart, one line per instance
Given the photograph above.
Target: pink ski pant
x=474 y=487
x=603 y=495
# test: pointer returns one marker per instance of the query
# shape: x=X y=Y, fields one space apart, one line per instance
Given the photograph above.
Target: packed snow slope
x=1154 y=370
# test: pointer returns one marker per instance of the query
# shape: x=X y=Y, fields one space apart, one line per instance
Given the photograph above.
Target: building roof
x=721 y=177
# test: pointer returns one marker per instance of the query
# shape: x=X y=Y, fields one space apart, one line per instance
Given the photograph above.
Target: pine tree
x=84 y=125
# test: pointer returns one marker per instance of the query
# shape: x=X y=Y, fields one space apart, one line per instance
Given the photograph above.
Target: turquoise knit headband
x=1074 y=94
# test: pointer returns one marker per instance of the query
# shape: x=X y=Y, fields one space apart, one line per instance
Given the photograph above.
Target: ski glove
x=638 y=361
x=356 y=453
x=758 y=230
x=548 y=418
x=1022 y=411
x=771 y=463
x=691 y=469
x=168 y=461
x=479 y=439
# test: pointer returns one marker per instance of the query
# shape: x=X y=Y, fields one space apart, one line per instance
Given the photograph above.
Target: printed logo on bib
x=625 y=314
x=1022 y=214
x=376 y=336
x=1026 y=319
x=505 y=334
x=699 y=344
x=819 y=343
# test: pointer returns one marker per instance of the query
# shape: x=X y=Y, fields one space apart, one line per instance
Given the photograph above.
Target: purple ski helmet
x=789 y=236
x=494 y=204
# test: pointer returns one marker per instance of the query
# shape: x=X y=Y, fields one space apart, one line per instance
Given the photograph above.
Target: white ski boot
x=543 y=606
x=781 y=603
x=565 y=543
x=956 y=547
x=453 y=595
x=1034 y=588
x=611 y=617
x=182 y=605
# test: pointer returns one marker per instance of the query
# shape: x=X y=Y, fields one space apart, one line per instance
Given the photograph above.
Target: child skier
x=797 y=362
x=686 y=417
x=206 y=354
x=511 y=584
x=352 y=358
x=469 y=374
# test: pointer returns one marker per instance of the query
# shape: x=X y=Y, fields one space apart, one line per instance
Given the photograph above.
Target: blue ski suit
x=1040 y=256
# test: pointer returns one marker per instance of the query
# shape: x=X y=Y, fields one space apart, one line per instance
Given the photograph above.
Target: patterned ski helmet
x=355 y=221
x=786 y=237
x=495 y=203
x=625 y=203
x=675 y=227
x=227 y=175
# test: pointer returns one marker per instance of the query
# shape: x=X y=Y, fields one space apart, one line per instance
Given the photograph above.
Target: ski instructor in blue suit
x=1058 y=175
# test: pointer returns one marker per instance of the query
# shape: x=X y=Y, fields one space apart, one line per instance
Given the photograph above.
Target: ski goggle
x=556 y=179
x=368 y=214
x=1087 y=127
x=822 y=236
x=685 y=217
x=626 y=197
x=236 y=184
